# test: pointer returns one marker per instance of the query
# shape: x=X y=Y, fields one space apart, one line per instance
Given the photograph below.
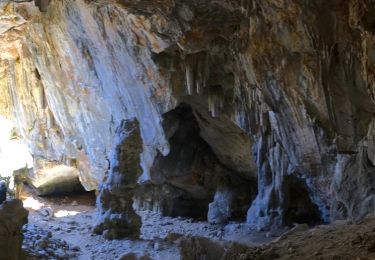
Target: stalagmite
x=152 y=104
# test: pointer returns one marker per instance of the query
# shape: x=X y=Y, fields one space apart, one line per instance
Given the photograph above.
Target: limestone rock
x=353 y=170
x=219 y=211
x=41 y=244
x=281 y=95
x=199 y=248
x=193 y=169
x=42 y=4
x=134 y=256
x=12 y=217
x=117 y=218
x=54 y=178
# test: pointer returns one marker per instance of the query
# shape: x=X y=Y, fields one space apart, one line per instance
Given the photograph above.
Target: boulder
x=220 y=210
x=201 y=248
x=134 y=256
x=12 y=217
x=3 y=191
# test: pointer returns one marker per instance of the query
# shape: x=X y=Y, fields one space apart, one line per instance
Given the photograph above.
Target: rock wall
x=281 y=94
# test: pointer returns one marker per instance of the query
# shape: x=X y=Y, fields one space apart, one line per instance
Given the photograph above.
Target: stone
x=117 y=217
x=3 y=191
x=12 y=217
x=279 y=93
x=173 y=237
x=220 y=210
x=192 y=248
x=157 y=246
x=54 y=179
x=187 y=179
x=134 y=256
x=46 y=213
x=199 y=248
x=42 y=5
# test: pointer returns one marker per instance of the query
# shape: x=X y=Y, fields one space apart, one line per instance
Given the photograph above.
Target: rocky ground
x=69 y=236
x=61 y=228
x=40 y=244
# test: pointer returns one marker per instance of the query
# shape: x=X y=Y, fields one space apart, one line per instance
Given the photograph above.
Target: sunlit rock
x=54 y=179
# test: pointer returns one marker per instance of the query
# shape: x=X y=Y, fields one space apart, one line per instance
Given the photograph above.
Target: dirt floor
x=61 y=228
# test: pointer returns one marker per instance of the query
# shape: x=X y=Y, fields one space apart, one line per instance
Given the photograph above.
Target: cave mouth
x=187 y=169
x=299 y=207
x=59 y=201
x=187 y=180
x=79 y=190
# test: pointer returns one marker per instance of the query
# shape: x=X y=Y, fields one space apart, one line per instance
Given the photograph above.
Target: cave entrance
x=186 y=182
x=187 y=173
x=56 y=187
x=299 y=207
x=55 y=205
x=58 y=184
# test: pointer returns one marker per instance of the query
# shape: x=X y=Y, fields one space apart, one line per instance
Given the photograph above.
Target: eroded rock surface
x=280 y=94
x=12 y=217
x=118 y=219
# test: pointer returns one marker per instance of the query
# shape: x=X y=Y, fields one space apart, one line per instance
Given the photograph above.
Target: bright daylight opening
x=14 y=153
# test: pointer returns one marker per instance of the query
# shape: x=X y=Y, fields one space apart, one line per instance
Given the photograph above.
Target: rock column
x=118 y=218
x=12 y=217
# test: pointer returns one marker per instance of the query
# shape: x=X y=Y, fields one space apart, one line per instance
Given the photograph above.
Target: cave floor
x=61 y=228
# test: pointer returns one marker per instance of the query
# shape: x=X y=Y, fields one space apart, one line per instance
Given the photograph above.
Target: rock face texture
x=257 y=110
x=116 y=195
x=12 y=217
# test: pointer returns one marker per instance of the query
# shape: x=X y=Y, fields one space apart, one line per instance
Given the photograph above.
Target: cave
x=186 y=166
x=187 y=129
x=194 y=171
x=299 y=208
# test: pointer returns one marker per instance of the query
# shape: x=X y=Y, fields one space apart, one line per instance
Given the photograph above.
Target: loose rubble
x=40 y=244
x=70 y=236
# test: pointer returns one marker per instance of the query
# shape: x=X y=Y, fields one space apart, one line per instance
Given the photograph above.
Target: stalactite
x=215 y=99
x=206 y=70
x=211 y=105
x=189 y=77
x=202 y=72
x=198 y=86
x=199 y=79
